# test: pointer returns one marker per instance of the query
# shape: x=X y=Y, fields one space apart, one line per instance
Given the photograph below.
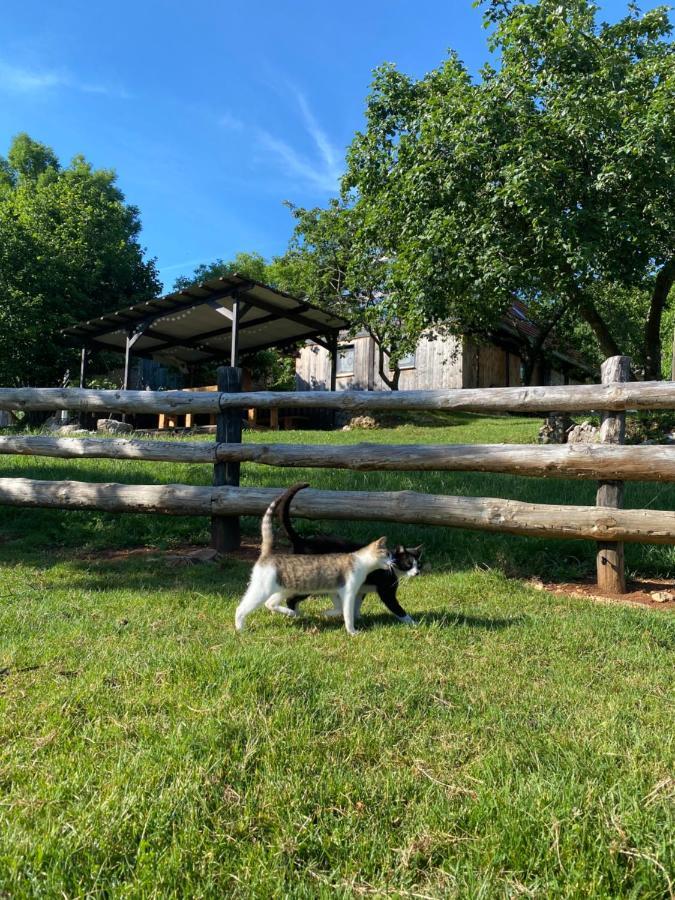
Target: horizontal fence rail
x=483 y=513
x=617 y=396
x=584 y=461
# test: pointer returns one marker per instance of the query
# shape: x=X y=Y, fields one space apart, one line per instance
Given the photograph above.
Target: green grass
x=514 y=743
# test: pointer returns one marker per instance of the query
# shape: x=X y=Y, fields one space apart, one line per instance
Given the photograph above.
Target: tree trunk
x=663 y=284
x=391 y=382
x=598 y=325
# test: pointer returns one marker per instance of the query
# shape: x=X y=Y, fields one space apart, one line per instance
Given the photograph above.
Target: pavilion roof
x=195 y=325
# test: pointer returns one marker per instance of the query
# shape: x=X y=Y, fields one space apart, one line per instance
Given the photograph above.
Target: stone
x=361 y=422
x=583 y=434
x=112 y=426
x=205 y=555
x=555 y=428
x=67 y=430
x=662 y=596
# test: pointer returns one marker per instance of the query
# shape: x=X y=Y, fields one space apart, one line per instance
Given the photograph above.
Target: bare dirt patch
x=248 y=552
x=638 y=592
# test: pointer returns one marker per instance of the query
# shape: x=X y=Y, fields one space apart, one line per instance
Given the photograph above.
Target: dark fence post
x=610 y=563
x=225 y=533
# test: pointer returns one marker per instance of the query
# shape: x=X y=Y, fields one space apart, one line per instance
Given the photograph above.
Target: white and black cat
x=406 y=562
x=276 y=577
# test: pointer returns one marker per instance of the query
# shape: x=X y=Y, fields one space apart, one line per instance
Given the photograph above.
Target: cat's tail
x=283 y=511
x=267 y=531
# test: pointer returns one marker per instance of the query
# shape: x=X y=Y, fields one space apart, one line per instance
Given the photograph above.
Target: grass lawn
x=514 y=743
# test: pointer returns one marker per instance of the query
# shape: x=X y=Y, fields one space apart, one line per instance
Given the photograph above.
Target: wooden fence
x=608 y=462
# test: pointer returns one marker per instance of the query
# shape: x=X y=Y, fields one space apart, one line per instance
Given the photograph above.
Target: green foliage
x=329 y=262
x=251 y=265
x=541 y=181
x=69 y=251
x=271 y=370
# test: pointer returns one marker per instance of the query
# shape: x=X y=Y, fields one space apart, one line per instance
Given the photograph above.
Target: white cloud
x=230 y=122
x=20 y=80
x=321 y=172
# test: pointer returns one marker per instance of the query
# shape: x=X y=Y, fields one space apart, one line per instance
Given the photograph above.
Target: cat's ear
x=416 y=551
x=381 y=543
x=398 y=549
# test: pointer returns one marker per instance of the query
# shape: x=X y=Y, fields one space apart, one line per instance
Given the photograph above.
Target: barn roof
x=195 y=325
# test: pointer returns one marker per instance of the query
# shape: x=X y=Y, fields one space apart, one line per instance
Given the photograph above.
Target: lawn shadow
x=433 y=617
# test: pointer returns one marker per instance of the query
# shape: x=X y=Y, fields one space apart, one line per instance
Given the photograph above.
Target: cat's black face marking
x=407 y=559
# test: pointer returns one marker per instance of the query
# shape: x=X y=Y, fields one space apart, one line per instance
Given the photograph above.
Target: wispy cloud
x=328 y=152
x=322 y=170
x=230 y=122
x=22 y=80
x=185 y=264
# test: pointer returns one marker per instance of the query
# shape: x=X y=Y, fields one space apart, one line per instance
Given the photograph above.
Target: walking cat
x=276 y=577
x=406 y=563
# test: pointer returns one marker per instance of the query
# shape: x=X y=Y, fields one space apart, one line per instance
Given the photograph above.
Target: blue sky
x=215 y=113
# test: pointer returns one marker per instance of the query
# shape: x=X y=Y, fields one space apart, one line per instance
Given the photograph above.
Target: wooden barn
x=441 y=361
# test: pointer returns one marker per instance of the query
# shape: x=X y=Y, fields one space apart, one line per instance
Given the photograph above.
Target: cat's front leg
x=275 y=604
x=348 y=604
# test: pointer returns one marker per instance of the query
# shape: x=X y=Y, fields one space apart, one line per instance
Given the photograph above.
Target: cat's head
x=380 y=553
x=407 y=560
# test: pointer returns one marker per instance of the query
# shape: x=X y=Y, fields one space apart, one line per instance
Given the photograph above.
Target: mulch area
x=638 y=593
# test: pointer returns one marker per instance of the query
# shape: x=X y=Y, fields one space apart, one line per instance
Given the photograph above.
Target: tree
x=69 y=251
x=544 y=180
x=251 y=265
x=321 y=264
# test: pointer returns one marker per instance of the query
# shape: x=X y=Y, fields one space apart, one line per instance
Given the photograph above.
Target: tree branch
x=662 y=285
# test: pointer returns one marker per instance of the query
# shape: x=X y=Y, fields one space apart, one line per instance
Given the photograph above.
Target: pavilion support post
x=84 y=359
x=610 y=557
x=234 y=340
x=225 y=531
x=127 y=361
x=333 y=350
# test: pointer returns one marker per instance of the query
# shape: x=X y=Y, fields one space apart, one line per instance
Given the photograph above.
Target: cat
x=383 y=582
x=278 y=576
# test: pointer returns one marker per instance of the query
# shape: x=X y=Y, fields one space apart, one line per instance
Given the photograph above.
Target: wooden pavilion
x=215 y=321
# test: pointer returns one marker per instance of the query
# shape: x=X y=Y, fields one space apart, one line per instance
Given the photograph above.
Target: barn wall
x=486 y=365
x=438 y=364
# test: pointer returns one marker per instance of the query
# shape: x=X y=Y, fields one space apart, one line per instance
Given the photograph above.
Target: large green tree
x=69 y=250
x=323 y=264
x=548 y=179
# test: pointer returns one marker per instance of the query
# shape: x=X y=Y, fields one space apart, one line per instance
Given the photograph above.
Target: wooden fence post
x=610 y=564
x=225 y=533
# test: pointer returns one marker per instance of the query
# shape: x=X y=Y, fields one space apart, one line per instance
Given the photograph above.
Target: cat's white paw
x=408 y=620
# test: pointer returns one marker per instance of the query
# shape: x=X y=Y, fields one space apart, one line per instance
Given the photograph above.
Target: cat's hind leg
x=260 y=588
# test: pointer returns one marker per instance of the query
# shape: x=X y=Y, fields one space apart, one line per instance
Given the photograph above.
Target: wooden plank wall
x=438 y=364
